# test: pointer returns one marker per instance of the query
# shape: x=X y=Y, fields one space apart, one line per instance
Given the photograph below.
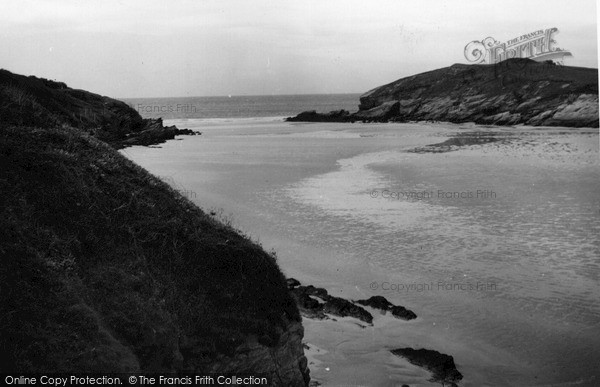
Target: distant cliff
x=104 y=268
x=40 y=102
x=516 y=91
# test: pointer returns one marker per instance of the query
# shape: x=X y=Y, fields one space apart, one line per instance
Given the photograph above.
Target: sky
x=150 y=48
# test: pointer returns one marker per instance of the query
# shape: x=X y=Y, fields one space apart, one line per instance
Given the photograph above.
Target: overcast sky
x=202 y=47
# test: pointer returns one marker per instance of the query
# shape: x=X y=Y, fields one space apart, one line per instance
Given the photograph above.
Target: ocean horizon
x=241 y=106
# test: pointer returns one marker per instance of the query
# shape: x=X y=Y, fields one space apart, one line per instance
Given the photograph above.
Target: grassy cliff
x=104 y=267
x=515 y=91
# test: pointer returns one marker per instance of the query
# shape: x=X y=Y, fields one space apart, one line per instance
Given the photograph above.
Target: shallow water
x=495 y=246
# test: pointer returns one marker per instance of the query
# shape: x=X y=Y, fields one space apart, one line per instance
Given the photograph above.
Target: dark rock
x=441 y=366
x=292 y=282
x=307 y=302
x=403 y=313
x=377 y=302
x=380 y=302
x=310 y=307
x=184 y=132
x=344 y=308
x=154 y=132
x=319 y=292
x=312 y=116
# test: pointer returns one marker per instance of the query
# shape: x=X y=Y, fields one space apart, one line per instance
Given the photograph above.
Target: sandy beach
x=528 y=252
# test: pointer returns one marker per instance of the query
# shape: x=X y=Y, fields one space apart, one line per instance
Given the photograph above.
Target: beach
x=493 y=243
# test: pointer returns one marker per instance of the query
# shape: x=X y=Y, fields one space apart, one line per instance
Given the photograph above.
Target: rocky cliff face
x=516 y=91
x=284 y=363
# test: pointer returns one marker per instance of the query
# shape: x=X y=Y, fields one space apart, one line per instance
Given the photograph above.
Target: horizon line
x=243 y=95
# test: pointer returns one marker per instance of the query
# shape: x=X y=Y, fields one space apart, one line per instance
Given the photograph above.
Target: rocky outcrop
x=39 y=102
x=515 y=91
x=571 y=112
x=312 y=116
x=380 y=302
x=154 y=132
x=441 y=366
x=317 y=303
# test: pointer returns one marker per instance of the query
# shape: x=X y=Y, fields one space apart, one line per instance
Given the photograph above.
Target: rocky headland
x=515 y=91
x=38 y=102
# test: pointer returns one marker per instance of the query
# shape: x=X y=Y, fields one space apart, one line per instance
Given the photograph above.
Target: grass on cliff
x=33 y=101
x=103 y=267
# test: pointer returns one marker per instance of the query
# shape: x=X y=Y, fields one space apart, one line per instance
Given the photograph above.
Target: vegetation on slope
x=103 y=267
x=32 y=101
x=520 y=77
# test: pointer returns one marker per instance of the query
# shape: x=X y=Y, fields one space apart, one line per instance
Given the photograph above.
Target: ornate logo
x=537 y=45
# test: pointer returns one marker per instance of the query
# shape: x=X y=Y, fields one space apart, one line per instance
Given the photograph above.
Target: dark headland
x=39 y=102
x=515 y=91
x=104 y=268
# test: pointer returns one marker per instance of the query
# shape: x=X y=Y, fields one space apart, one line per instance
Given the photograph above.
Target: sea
x=495 y=247
x=241 y=106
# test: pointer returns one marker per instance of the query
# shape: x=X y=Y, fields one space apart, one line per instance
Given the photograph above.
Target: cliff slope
x=105 y=268
x=515 y=91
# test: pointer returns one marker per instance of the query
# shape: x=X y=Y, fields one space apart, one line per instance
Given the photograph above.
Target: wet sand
x=305 y=191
